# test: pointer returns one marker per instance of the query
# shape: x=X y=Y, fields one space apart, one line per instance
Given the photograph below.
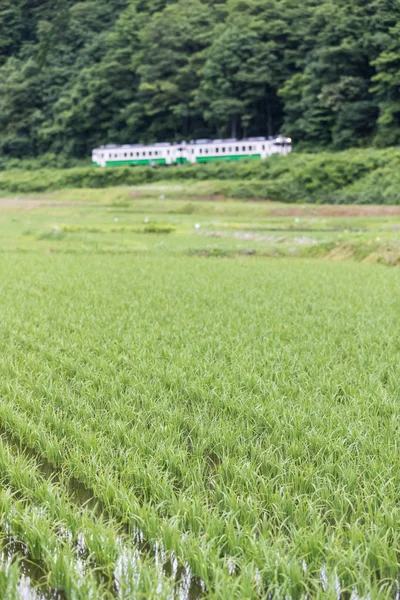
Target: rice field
x=182 y=418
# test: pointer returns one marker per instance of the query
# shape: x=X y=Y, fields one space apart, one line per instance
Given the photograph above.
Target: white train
x=197 y=151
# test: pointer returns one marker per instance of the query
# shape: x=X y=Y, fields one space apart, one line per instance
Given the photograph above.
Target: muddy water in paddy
x=33 y=572
x=32 y=584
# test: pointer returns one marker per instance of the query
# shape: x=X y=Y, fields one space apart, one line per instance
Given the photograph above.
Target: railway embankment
x=367 y=176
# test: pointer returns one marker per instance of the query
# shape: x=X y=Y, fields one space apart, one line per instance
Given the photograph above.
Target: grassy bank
x=184 y=218
x=354 y=176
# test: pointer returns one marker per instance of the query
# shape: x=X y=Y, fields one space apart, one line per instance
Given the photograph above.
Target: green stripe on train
x=227 y=157
x=130 y=163
x=183 y=160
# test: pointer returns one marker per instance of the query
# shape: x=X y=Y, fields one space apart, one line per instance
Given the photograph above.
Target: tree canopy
x=77 y=74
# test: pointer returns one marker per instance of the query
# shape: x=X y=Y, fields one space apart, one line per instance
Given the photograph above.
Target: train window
x=223 y=149
x=143 y=153
x=206 y=151
x=244 y=148
x=137 y=153
x=192 y=151
x=263 y=147
x=150 y=153
x=125 y=154
x=250 y=148
x=216 y=150
x=201 y=150
x=237 y=149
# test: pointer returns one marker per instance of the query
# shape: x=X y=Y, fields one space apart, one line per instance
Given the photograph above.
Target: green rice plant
x=56 y=563
x=97 y=545
x=190 y=426
x=10 y=574
x=242 y=417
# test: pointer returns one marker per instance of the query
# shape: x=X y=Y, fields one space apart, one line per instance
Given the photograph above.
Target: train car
x=196 y=151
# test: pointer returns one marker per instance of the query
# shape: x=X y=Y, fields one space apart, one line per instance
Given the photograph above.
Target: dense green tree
x=20 y=108
x=173 y=45
x=91 y=110
x=11 y=28
x=330 y=102
x=79 y=73
x=386 y=87
x=282 y=27
x=231 y=82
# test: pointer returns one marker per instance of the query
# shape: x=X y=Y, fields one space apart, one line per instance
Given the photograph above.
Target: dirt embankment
x=37 y=202
x=333 y=210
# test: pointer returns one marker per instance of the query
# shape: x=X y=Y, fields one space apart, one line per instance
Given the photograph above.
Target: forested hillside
x=76 y=74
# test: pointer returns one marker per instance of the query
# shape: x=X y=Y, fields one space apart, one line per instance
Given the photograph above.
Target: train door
x=174 y=156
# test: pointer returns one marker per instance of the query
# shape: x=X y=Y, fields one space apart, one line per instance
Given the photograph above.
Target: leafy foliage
x=76 y=74
x=364 y=176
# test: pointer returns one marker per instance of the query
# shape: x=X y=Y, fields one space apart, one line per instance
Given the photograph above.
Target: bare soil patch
x=206 y=197
x=333 y=210
x=19 y=202
x=38 y=202
x=180 y=195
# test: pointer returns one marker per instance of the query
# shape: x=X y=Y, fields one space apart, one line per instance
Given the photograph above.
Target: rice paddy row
x=173 y=427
